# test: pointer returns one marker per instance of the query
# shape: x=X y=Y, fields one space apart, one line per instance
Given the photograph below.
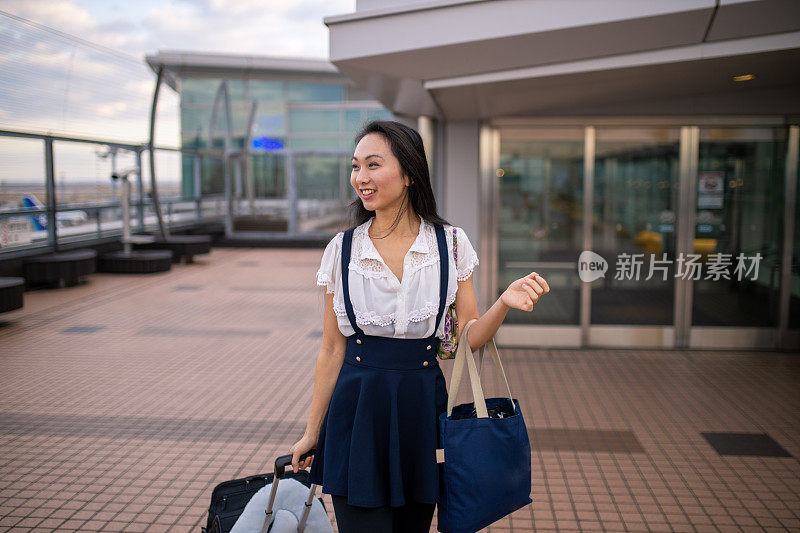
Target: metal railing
x=100 y=221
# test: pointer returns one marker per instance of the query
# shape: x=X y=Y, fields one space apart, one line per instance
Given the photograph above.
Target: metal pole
x=197 y=186
x=140 y=186
x=112 y=152
x=151 y=146
x=237 y=176
x=292 y=190
x=222 y=92
x=50 y=185
x=124 y=198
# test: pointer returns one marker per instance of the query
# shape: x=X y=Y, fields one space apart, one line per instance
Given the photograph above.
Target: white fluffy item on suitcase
x=287 y=509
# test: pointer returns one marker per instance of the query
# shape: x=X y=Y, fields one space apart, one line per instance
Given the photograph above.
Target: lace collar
x=368 y=262
x=368 y=251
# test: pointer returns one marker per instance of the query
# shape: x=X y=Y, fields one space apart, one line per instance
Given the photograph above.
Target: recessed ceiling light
x=744 y=77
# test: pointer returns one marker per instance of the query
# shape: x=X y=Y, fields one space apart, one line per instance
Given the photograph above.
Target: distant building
x=302 y=104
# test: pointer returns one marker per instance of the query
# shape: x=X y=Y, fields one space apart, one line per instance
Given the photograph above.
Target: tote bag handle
x=464 y=355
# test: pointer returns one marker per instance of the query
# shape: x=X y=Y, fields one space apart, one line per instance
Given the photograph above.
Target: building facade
x=641 y=156
x=297 y=118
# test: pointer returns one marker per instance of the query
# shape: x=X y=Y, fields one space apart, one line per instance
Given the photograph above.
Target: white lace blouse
x=384 y=306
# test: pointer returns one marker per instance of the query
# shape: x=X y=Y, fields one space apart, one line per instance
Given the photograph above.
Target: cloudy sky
x=262 y=27
x=76 y=67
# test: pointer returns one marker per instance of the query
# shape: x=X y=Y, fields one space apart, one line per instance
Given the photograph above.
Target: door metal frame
x=488 y=162
x=785 y=341
x=758 y=338
x=585 y=310
x=684 y=228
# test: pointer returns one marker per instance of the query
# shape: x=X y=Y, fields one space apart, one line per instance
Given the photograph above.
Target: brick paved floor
x=125 y=400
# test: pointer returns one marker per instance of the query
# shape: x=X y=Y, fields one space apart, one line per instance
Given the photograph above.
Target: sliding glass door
x=739 y=227
x=633 y=228
x=689 y=223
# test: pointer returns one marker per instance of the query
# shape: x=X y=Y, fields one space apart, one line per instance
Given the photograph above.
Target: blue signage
x=267 y=144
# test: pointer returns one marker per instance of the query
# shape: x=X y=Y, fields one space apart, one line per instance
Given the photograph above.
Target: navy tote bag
x=485 y=454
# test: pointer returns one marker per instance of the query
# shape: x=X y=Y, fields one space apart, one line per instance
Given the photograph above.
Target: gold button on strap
x=429 y=347
x=425 y=363
x=358 y=358
x=358 y=341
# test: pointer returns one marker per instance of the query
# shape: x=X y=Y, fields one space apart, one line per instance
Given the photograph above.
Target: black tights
x=414 y=517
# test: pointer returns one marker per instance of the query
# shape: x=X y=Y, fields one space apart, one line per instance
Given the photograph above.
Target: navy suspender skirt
x=377 y=444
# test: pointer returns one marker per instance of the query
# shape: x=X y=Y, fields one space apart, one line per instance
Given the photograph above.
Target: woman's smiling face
x=375 y=167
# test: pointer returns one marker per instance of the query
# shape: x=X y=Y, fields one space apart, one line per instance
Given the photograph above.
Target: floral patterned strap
x=449 y=344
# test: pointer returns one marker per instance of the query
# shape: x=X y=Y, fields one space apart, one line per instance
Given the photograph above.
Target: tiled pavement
x=125 y=400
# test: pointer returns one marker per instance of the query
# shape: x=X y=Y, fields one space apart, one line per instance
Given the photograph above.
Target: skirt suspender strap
x=444 y=268
x=347 y=243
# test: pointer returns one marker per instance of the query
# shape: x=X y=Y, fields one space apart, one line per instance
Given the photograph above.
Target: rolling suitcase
x=229 y=498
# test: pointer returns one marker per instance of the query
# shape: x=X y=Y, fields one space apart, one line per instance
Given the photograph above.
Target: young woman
x=378 y=387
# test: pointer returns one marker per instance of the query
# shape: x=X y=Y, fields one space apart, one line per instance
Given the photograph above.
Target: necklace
x=412 y=234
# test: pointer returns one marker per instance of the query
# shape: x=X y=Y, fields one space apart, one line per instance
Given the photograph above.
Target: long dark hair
x=407 y=147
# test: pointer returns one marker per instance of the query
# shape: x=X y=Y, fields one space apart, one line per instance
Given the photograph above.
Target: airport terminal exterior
x=658 y=138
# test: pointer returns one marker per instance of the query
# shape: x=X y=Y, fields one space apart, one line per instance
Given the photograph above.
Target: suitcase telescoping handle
x=280 y=472
x=285 y=460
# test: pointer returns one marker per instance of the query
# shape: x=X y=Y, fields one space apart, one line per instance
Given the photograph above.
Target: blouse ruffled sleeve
x=467 y=257
x=326 y=275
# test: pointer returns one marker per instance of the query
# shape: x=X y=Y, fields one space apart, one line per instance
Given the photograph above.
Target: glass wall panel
x=211 y=175
x=540 y=216
x=197 y=103
x=635 y=204
x=314 y=120
x=267 y=92
x=356 y=118
x=23 y=184
x=269 y=175
x=290 y=115
x=738 y=237
x=314 y=143
x=318 y=177
x=83 y=178
x=315 y=92
x=196 y=91
x=269 y=121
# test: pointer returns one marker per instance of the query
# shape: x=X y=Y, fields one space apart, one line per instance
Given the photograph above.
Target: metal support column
x=247 y=164
x=197 y=186
x=222 y=93
x=291 y=178
x=140 y=187
x=152 y=147
x=50 y=184
x=789 y=210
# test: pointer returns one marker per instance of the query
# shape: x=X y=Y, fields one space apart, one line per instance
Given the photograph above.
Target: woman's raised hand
x=525 y=292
